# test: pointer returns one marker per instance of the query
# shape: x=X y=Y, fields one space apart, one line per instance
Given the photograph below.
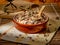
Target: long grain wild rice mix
x=30 y=17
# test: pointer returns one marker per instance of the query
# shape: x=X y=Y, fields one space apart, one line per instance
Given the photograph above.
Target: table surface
x=54 y=41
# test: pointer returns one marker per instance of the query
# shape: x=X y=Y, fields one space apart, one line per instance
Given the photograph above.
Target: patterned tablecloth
x=10 y=33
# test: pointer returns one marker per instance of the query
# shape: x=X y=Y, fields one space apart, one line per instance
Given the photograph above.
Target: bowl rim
x=14 y=20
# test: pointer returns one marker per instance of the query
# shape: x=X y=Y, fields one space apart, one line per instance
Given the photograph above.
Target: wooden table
x=54 y=41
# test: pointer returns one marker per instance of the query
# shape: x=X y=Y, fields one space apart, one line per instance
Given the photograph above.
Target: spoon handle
x=42 y=8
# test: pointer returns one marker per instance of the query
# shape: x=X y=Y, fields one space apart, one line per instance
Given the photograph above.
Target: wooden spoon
x=41 y=10
x=39 y=14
